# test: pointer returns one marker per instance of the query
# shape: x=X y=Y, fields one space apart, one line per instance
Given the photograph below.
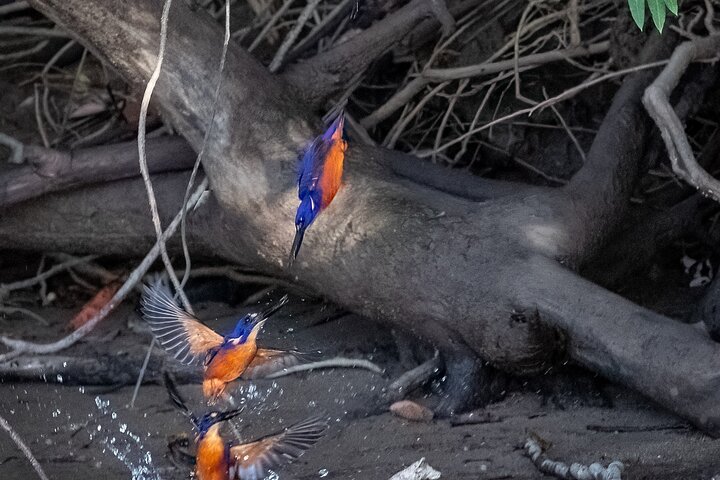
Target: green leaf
x=637 y=10
x=657 y=10
x=672 y=5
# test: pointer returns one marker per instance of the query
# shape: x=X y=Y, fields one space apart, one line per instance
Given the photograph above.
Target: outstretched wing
x=179 y=333
x=268 y=361
x=251 y=461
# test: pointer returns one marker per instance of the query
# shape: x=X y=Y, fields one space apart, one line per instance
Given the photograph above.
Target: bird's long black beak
x=297 y=242
x=270 y=311
x=223 y=416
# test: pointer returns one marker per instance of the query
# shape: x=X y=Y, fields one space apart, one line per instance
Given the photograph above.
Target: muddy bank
x=91 y=432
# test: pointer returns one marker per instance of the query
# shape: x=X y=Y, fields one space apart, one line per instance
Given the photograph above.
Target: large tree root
x=483 y=274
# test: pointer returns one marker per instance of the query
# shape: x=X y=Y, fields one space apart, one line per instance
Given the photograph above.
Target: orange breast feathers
x=227 y=365
x=211 y=458
x=330 y=179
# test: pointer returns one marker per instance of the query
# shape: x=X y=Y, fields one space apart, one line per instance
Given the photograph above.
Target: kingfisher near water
x=219 y=460
x=319 y=179
x=225 y=357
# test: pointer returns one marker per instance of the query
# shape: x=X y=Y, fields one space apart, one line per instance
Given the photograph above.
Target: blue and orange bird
x=319 y=179
x=225 y=358
x=216 y=459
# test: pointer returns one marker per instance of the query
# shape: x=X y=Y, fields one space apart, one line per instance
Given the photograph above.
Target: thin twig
x=277 y=61
x=24 y=311
x=8 y=57
x=139 y=380
x=24 y=448
x=6 y=288
x=198 y=160
x=143 y=160
x=338 y=362
x=569 y=93
x=36 y=31
x=13 y=7
x=270 y=24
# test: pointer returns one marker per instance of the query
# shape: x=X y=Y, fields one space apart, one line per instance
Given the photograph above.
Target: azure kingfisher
x=217 y=460
x=319 y=178
x=225 y=357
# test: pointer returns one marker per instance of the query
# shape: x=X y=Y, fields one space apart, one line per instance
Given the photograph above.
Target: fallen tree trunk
x=484 y=275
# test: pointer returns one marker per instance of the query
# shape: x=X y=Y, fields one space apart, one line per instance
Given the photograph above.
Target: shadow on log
x=488 y=272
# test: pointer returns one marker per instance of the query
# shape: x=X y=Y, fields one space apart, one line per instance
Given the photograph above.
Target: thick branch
x=51 y=170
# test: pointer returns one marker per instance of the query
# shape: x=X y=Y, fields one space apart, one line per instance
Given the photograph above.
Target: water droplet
x=323 y=472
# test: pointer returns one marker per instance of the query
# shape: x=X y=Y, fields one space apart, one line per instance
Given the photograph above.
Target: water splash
x=125 y=445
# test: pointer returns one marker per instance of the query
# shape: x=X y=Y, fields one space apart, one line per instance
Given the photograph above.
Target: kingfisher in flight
x=319 y=179
x=225 y=358
x=216 y=459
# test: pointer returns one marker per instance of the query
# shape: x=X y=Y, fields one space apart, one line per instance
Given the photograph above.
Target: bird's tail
x=297 y=242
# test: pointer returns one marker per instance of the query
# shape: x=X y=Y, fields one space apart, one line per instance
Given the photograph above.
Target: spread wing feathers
x=268 y=361
x=251 y=461
x=179 y=333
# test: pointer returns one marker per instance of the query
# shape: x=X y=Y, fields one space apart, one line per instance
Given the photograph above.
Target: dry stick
x=318 y=31
x=143 y=161
x=461 y=86
x=6 y=288
x=292 y=36
x=13 y=7
x=46 y=87
x=575 y=471
x=657 y=102
x=24 y=311
x=570 y=93
x=567 y=129
x=21 y=445
x=337 y=362
x=17 y=149
x=139 y=380
x=208 y=131
x=270 y=24
x=19 y=346
x=414 y=378
x=37 y=31
x=8 y=57
x=448 y=74
x=38 y=119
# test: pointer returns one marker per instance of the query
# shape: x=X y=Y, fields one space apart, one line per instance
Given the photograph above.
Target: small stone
x=410 y=410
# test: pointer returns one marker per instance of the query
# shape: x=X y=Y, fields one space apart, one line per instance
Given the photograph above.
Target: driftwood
x=484 y=268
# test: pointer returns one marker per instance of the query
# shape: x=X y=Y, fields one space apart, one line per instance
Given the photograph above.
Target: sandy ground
x=88 y=431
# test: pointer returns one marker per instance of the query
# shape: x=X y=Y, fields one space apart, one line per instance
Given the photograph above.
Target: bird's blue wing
x=178 y=332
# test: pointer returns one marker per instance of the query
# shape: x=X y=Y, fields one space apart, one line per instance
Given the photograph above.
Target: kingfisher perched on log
x=319 y=178
x=225 y=357
x=216 y=459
